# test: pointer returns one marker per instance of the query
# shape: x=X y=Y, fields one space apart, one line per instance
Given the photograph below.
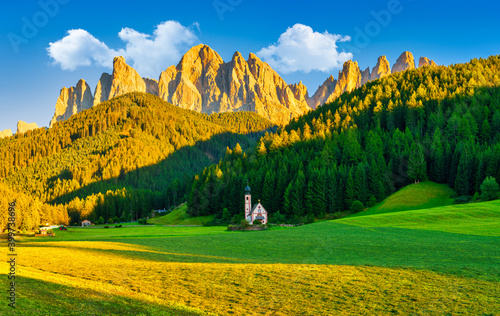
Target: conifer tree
x=417 y=168
x=464 y=177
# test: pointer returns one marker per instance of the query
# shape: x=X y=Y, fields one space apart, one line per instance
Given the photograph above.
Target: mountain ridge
x=203 y=82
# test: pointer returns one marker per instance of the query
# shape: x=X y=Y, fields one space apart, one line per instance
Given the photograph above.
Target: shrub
x=123 y=219
x=489 y=189
x=462 y=199
x=357 y=206
x=257 y=222
x=309 y=219
x=372 y=201
x=116 y=219
x=236 y=218
x=50 y=231
x=130 y=217
x=106 y=226
x=476 y=197
x=100 y=220
x=277 y=218
x=226 y=215
x=118 y=226
x=111 y=221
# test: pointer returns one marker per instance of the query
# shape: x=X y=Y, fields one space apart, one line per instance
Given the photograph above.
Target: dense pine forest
x=135 y=153
x=122 y=158
x=431 y=123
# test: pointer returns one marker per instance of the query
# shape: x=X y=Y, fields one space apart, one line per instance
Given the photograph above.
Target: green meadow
x=179 y=217
x=416 y=196
x=443 y=260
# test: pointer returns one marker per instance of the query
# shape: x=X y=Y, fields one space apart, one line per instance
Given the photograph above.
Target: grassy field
x=417 y=196
x=97 y=233
x=395 y=263
x=180 y=217
x=475 y=219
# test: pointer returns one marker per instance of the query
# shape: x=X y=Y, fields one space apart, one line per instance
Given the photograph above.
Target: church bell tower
x=248 y=204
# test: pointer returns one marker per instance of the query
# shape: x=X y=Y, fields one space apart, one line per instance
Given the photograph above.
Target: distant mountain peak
x=6 y=133
x=23 y=127
x=424 y=61
x=72 y=100
x=404 y=62
x=381 y=70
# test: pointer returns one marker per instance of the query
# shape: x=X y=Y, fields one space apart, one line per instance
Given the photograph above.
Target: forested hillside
x=29 y=212
x=436 y=123
x=125 y=156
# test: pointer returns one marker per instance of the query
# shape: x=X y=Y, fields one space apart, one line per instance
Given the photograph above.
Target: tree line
x=130 y=154
x=431 y=123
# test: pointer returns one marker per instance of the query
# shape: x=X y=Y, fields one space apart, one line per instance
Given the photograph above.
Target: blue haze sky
x=302 y=40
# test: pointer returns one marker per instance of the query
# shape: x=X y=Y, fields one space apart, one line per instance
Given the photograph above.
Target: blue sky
x=445 y=31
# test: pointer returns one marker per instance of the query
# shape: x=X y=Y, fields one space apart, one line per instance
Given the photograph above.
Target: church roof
x=255 y=206
x=247 y=189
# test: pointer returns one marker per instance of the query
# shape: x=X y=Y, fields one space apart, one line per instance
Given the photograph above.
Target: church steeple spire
x=248 y=203
x=247 y=189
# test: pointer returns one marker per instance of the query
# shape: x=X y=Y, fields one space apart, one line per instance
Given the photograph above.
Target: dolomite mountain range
x=203 y=82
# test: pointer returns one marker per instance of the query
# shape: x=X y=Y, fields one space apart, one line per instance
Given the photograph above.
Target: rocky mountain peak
x=203 y=82
x=299 y=91
x=365 y=76
x=23 y=127
x=381 y=70
x=72 y=101
x=424 y=61
x=151 y=85
x=6 y=133
x=404 y=62
x=348 y=80
x=124 y=79
x=103 y=88
x=323 y=92
x=199 y=58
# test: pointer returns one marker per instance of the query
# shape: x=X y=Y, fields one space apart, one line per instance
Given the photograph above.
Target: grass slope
x=330 y=242
x=180 y=217
x=326 y=268
x=124 y=285
x=416 y=196
x=475 y=219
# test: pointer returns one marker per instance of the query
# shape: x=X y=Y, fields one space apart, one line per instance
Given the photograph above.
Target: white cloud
x=302 y=49
x=80 y=48
x=148 y=54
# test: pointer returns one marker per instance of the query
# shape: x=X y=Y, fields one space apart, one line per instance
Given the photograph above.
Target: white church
x=257 y=212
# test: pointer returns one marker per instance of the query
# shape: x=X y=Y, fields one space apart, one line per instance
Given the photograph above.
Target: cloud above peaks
x=148 y=54
x=79 y=48
x=302 y=49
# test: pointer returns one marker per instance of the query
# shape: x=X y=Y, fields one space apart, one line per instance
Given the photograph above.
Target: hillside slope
x=415 y=196
x=179 y=216
x=432 y=123
x=481 y=219
x=29 y=212
x=132 y=153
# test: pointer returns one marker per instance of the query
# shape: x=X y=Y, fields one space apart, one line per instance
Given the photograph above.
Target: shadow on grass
x=36 y=297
